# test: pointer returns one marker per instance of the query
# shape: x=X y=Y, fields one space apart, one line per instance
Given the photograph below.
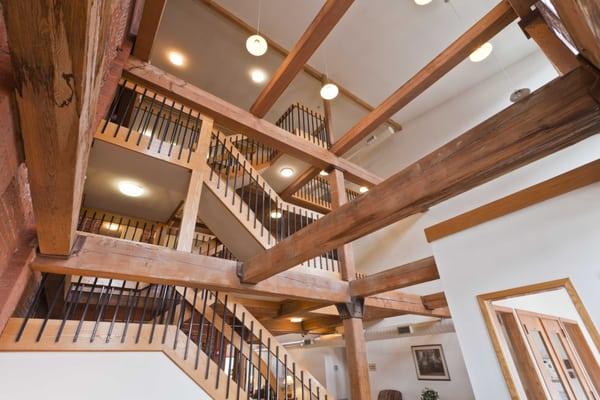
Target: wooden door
x=586 y=356
x=545 y=357
x=573 y=369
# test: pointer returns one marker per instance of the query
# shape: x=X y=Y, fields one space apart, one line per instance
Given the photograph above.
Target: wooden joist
x=323 y=23
x=398 y=303
x=409 y=274
x=148 y=28
x=486 y=28
x=435 y=300
x=561 y=113
x=243 y=122
x=59 y=67
x=122 y=259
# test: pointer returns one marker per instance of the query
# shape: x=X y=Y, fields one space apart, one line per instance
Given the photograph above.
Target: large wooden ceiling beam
x=60 y=51
x=582 y=20
x=242 y=121
x=404 y=303
x=561 y=113
x=148 y=29
x=485 y=29
x=313 y=72
x=329 y=15
x=121 y=259
x=409 y=274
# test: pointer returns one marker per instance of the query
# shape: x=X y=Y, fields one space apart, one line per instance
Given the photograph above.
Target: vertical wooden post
x=192 y=199
x=337 y=188
x=356 y=348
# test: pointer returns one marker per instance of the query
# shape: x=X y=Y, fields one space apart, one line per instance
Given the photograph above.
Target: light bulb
x=286 y=172
x=481 y=53
x=276 y=214
x=176 y=58
x=131 y=189
x=422 y=2
x=329 y=91
x=258 y=75
x=363 y=189
x=323 y=173
x=256 y=45
x=295 y=320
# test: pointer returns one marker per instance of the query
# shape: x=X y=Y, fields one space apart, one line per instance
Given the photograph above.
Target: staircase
x=247 y=214
x=212 y=338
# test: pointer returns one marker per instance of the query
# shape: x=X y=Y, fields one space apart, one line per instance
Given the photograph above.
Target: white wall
x=395 y=367
x=551 y=240
x=94 y=376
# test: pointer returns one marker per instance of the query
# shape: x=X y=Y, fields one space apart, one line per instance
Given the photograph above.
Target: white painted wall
x=94 y=376
x=395 y=367
x=551 y=240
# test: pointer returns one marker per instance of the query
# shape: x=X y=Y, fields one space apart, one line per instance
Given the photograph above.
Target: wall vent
x=403 y=330
x=371 y=139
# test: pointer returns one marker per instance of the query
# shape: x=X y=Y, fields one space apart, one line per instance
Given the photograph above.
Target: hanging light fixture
x=256 y=44
x=329 y=91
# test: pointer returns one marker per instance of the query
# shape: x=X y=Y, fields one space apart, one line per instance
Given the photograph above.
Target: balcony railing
x=306 y=123
x=316 y=194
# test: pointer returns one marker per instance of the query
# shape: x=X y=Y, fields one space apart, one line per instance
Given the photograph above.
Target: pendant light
x=256 y=44
x=329 y=90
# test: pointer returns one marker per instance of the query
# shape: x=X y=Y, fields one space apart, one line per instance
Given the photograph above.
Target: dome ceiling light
x=286 y=172
x=256 y=44
x=329 y=91
x=131 y=189
x=481 y=53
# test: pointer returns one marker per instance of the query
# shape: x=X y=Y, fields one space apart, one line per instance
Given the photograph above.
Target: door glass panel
x=548 y=365
x=568 y=366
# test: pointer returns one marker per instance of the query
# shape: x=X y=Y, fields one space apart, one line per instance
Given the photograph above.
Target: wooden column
x=356 y=348
x=339 y=198
x=192 y=199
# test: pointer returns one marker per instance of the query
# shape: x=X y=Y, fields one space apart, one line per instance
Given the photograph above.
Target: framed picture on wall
x=430 y=363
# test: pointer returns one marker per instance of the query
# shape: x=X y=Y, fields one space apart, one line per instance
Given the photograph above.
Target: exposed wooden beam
x=313 y=72
x=356 y=357
x=556 y=51
x=404 y=303
x=435 y=300
x=59 y=69
x=148 y=28
x=582 y=20
x=409 y=274
x=569 y=181
x=242 y=121
x=291 y=308
x=485 y=29
x=339 y=197
x=324 y=22
x=122 y=259
x=561 y=113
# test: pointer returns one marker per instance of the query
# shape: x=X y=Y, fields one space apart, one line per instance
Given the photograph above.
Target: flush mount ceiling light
x=329 y=91
x=258 y=75
x=131 y=189
x=481 y=53
x=323 y=173
x=112 y=226
x=296 y=320
x=256 y=45
x=286 y=172
x=276 y=214
x=422 y=2
x=176 y=58
x=363 y=189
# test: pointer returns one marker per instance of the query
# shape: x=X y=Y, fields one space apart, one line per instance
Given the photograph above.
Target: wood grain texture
x=413 y=273
x=121 y=259
x=235 y=118
x=483 y=30
x=58 y=71
x=356 y=357
x=561 y=57
x=564 y=183
x=559 y=114
x=323 y=23
x=148 y=28
x=337 y=187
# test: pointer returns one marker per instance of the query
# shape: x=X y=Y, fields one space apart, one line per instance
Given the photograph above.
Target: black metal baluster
x=32 y=307
x=241 y=352
x=211 y=335
x=102 y=305
x=132 y=305
x=59 y=292
x=181 y=315
x=250 y=382
x=201 y=329
x=189 y=334
x=170 y=313
x=143 y=316
x=231 y=351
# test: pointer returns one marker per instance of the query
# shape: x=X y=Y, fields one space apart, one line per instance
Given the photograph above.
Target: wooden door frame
x=485 y=304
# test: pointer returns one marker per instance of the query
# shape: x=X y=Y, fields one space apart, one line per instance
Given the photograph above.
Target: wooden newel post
x=339 y=198
x=356 y=349
x=192 y=199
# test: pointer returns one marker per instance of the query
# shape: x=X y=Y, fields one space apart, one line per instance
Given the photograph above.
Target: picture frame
x=430 y=363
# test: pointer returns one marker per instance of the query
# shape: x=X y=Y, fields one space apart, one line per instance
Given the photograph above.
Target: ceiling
x=374 y=49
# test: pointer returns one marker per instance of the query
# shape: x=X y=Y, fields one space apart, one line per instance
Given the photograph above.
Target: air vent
x=371 y=139
x=403 y=330
x=372 y=367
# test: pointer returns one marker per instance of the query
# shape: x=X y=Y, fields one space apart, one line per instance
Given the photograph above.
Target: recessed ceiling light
x=276 y=214
x=329 y=91
x=296 y=320
x=363 y=189
x=286 y=172
x=176 y=58
x=258 y=75
x=422 y=2
x=323 y=173
x=131 y=189
x=482 y=52
x=256 y=45
x=112 y=226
